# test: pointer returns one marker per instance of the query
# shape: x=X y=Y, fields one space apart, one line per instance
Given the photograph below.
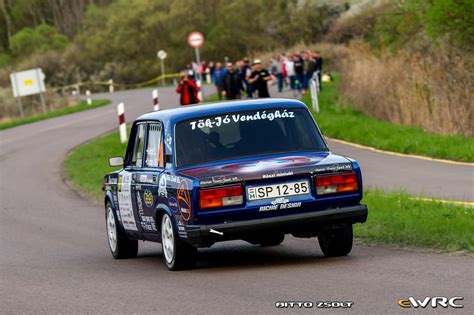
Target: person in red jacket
x=188 y=90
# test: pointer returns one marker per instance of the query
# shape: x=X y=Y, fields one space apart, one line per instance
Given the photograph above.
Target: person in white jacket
x=290 y=71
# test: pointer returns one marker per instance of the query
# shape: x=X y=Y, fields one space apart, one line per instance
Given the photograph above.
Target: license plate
x=278 y=190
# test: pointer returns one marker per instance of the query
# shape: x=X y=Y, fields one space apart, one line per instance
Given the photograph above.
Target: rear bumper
x=199 y=234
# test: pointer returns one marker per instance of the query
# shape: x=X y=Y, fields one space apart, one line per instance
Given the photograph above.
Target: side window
x=137 y=156
x=154 y=150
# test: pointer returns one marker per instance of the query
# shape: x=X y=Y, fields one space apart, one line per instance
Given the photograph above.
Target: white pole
x=208 y=75
x=314 y=95
x=89 y=100
x=318 y=84
x=18 y=97
x=198 y=83
x=122 y=124
x=162 y=72
x=156 y=104
x=199 y=78
x=111 y=86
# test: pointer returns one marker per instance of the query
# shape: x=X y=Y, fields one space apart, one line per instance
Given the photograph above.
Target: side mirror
x=116 y=161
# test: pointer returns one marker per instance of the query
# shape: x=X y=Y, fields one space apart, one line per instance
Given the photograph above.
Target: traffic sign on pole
x=195 y=39
x=161 y=54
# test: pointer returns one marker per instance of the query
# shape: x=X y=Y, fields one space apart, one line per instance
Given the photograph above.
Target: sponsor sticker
x=334 y=168
x=217 y=121
x=184 y=201
x=125 y=201
x=148 y=198
x=162 y=192
x=218 y=180
x=173 y=204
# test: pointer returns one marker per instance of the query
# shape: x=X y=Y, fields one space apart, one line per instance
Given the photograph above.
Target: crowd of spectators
x=245 y=78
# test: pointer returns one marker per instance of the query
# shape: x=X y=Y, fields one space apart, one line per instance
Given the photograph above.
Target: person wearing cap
x=259 y=79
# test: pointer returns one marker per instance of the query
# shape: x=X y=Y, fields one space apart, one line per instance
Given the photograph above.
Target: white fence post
x=208 y=75
x=89 y=100
x=314 y=94
x=198 y=82
x=156 y=104
x=122 y=124
x=111 y=86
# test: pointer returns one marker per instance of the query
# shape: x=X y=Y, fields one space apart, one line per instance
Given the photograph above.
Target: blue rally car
x=253 y=170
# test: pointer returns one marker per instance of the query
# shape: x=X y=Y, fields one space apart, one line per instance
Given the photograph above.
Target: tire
x=268 y=240
x=177 y=254
x=336 y=242
x=120 y=245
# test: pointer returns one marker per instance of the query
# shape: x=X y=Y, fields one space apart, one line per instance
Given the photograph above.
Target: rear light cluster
x=221 y=197
x=330 y=184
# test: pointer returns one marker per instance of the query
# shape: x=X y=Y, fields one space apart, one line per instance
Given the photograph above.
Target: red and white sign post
x=122 y=124
x=196 y=39
x=156 y=104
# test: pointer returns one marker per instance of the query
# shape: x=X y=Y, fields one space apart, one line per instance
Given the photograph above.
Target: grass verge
x=344 y=123
x=68 y=110
x=393 y=218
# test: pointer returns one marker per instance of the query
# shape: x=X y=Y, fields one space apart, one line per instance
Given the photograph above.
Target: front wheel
x=336 y=242
x=177 y=254
x=119 y=244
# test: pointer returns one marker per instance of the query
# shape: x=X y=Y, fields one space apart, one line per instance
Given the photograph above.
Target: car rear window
x=246 y=133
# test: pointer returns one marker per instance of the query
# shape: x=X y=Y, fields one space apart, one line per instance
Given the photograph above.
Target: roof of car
x=215 y=108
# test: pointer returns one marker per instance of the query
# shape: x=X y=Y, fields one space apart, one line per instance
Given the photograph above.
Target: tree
x=34 y=40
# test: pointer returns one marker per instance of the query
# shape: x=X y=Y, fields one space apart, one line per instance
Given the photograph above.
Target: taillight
x=330 y=184
x=221 y=197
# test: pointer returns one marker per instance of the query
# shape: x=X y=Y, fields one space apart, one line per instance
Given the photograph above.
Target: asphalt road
x=54 y=257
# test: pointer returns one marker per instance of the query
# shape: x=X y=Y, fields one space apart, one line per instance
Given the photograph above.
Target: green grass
x=68 y=110
x=393 y=218
x=351 y=125
x=396 y=219
x=86 y=166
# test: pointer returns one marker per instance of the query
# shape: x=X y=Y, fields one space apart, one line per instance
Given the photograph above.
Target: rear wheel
x=119 y=244
x=336 y=241
x=177 y=254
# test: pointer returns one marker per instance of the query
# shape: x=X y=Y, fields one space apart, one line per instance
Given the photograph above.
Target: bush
x=432 y=91
x=41 y=39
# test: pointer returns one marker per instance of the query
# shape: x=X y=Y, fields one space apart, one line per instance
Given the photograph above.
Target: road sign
x=195 y=39
x=27 y=82
x=161 y=54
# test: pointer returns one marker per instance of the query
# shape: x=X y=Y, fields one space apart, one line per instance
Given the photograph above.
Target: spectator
x=290 y=71
x=284 y=60
x=190 y=71
x=217 y=78
x=299 y=71
x=277 y=71
x=212 y=69
x=188 y=90
x=231 y=83
x=310 y=68
x=203 y=70
x=246 y=72
x=259 y=79
x=318 y=66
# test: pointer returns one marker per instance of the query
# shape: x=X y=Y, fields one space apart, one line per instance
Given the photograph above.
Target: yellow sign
x=27 y=82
